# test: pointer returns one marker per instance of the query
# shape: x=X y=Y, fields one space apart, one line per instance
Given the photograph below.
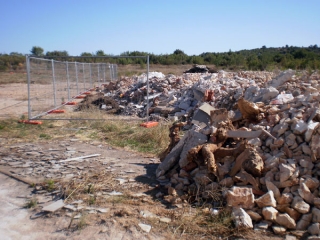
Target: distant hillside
x=255 y=59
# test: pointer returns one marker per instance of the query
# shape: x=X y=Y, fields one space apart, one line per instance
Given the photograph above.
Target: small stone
x=145 y=227
x=300 y=205
x=285 y=220
x=290 y=237
x=241 y=218
x=54 y=206
x=240 y=197
x=262 y=225
x=254 y=216
x=165 y=220
x=304 y=222
x=266 y=200
x=314 y=229
x=269 y=213
x=273 y=188
x=305 y=193
x=315 y=215
x=285 y=198
x=278 y=230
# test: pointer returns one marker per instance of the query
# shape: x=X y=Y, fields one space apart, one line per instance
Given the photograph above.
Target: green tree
x=178 y=51
x=56 y=53
x=38 y=51
x=100 y=53
x=86 y=54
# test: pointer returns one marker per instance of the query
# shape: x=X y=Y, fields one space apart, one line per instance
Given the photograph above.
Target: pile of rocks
x=252 y=144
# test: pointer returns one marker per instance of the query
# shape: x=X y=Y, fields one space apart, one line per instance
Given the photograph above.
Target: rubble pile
x=253 y=144
x=172 y=97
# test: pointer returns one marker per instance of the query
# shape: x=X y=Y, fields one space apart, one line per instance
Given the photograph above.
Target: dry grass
x=13 y=77
x=117 y=132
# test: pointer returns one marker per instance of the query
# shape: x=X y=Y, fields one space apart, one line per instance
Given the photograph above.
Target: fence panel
x=57 y=86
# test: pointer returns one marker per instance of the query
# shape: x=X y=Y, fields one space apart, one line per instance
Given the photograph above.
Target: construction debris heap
x=251 y=141
x=253 y=144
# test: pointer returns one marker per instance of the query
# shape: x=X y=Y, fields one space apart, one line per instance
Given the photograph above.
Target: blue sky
x=156 y=26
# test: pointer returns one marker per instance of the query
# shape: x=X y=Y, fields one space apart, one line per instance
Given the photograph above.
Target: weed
x=44 y=135
x=2 y=127
x=50 y=185
x=92 y=200
x=82 y=221
x=31 y=203
x=90 y=189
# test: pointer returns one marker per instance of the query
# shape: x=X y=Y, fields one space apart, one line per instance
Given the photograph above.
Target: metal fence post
x=54 y=84
x=110 y=67
x=76 y=68
x=28 y=78
x=90 y=75
x=147 y=88
x=68 y=84
x=99 y=74
x=104 y=73
x=84 y=78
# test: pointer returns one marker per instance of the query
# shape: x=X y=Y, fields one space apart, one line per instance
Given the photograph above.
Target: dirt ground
x=133 y=173
x=16 y=222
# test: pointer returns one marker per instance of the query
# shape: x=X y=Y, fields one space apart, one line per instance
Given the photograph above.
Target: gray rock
x=314 y=229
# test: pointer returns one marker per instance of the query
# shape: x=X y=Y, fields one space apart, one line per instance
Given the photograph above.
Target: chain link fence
x=55 y=88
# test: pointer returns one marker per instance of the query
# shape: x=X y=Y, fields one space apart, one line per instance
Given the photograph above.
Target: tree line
x=298 y=58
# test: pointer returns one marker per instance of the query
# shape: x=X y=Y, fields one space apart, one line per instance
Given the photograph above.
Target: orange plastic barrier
x=78 y=97
x=57 y=111
x=86 y=93
x=70 y=103
x=149 y=124
x=30 y=122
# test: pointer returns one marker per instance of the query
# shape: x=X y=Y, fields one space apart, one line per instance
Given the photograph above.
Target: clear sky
x=156 y=26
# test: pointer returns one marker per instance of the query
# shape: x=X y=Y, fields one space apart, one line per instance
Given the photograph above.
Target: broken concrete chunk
x=315 y=215
x=282 y=78
x=240 y=197
x=311 y=127
x=280 y=129
x=241 y=218
x=254 y=216
x=54 y=206
x=304 y=222
x=266 y=200
x=192 y=139
x=271 y=187
x=172 y=158
x=299 y=127
x=145 y=227
x=250 y=160
x=285 y=220
x=314 y=229
x=278 y=230
x=300 y=205
x=285 y=198
x=269 y=213
x=286 y=171
x=305 y=193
